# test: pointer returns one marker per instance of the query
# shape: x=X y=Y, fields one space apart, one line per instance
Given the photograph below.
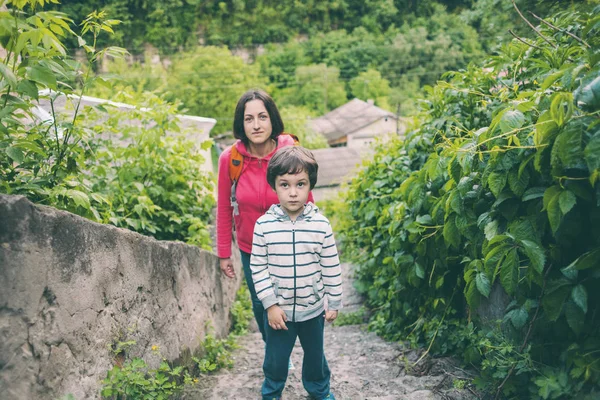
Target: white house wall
x=364 y=136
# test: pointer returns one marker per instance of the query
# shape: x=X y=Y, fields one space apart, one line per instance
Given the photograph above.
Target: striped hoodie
x=295 y=264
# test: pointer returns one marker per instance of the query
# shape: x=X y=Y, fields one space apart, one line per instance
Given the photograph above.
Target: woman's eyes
x=261 y=117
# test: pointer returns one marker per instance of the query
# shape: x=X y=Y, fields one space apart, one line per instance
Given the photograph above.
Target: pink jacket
x=254 y=196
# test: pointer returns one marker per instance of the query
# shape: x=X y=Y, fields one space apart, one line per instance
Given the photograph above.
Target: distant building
x=199 y=127
x=357 y=124
x=337 y=165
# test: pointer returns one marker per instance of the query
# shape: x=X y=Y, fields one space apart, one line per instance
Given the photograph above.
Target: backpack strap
x=236 y=164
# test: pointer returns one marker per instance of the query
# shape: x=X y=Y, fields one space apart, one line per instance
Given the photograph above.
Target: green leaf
x=495 y=255
x=579 y=296
x=535 y=253
x=592 y=153
x=6 y=72
x=16 y=154
x=455 y=170
x=569 y=145
x=561 y=108
x=451 y=233
x=518 y=317
x=425 y=220
x=554 y=214
x=570 y=273
x=518 y=183
x=42 y=75
x=79 y=198
x=554 y=298
x=419 y=271
x=545 y=130
x=533 y=193
x=491 y=229
x=472 y=294
x=550 y=194
x=551 y=78
x=29 y=88
x=566 y=201
x=483 y=284
x=511 y=120
x=207 y=144
x=575 y=317
x=587 y=260
x=496 y=182
x=588 y=97
x=509 y=272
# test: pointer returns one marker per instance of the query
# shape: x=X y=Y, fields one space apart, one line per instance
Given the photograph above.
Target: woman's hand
x=331 y=315
x=277 y=318
x=227 y=267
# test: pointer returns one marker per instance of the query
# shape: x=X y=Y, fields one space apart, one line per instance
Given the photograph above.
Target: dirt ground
x=363 y=366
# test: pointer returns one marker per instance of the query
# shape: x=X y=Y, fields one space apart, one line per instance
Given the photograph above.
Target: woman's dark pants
x=257 y=306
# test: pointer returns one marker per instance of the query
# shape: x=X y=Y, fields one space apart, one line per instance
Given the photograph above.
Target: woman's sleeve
x=224 y=209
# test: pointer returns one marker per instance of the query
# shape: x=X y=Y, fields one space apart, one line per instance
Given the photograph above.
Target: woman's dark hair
x=240 y=108
x=292 y=160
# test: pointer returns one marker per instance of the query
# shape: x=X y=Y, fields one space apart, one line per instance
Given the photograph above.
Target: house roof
x=336 y=165
x=348 y=118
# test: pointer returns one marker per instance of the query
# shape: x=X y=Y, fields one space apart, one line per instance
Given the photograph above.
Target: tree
x=296 y=120
x=209 y=81
x=370 y=85
x=317 y=87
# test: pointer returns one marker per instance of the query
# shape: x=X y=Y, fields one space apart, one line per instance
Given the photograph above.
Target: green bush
x=92 y=162
x=149 y=172
x=498 y=189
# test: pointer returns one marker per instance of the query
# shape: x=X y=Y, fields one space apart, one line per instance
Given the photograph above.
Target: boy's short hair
x=292 y=160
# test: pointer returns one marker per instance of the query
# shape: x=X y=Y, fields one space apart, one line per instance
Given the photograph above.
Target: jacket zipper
x=294 y=252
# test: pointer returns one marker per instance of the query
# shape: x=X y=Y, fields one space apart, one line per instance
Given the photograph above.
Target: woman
x=258 y=127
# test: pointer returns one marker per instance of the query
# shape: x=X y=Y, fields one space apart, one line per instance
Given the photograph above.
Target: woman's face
x=257 y=123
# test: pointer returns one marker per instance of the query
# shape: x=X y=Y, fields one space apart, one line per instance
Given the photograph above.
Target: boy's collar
x=277 y=211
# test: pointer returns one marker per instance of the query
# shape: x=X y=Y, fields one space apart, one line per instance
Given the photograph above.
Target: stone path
x=363 y=366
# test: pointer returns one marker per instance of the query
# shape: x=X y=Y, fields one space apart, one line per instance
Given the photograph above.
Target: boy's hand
x=330 y=315
x=277 y=318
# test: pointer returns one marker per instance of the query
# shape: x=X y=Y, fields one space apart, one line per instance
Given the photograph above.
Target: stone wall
x=70 y=289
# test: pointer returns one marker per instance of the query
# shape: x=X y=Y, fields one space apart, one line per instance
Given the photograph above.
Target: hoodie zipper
x=294 y=252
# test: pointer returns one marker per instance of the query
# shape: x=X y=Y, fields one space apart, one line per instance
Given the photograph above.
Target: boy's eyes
x=285 y=184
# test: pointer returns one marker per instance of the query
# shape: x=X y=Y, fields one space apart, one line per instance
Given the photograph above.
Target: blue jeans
x=315 y=371
x=257 y=306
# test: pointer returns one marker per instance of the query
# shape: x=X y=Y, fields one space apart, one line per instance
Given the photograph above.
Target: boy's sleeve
x=259 y=265
x=331 y=271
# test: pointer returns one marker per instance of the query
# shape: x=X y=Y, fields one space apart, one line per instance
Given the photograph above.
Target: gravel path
x=363 y=366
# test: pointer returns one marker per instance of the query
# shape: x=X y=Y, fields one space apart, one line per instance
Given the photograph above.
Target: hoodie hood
x=282 y=141
x=309 y=211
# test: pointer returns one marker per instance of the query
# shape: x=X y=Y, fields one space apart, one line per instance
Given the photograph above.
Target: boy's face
x=292 y=192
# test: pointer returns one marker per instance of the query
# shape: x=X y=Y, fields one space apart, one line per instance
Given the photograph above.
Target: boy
x=295 y=266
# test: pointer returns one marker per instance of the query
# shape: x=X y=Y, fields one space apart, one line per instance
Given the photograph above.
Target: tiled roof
x=348 y=118
x=336 y=165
